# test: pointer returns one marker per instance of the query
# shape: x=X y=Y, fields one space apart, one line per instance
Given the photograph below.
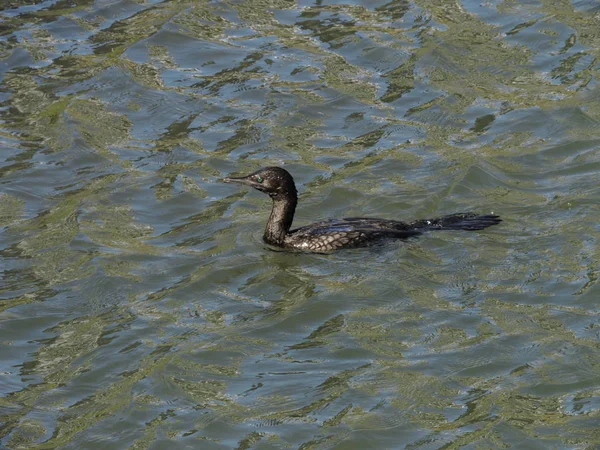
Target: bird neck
x=280 y=220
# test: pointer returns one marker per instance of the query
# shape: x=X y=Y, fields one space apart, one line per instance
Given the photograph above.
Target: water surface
x=139 y=307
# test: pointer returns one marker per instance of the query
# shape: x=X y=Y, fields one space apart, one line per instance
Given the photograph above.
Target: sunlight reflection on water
x=139 y=305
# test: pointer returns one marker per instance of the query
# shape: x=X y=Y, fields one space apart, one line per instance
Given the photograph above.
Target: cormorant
x=349 y=232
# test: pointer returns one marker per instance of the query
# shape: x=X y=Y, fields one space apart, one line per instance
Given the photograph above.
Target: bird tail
x=463 y=221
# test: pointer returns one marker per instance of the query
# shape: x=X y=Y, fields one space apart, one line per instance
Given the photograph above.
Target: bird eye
x=259 y=179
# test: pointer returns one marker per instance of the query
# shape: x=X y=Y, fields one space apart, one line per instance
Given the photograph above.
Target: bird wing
x=357 y=225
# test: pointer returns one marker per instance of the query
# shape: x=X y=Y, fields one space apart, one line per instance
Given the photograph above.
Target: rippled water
x=139 y=307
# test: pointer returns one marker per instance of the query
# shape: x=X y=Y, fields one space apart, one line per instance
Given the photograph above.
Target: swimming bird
x=334 y=234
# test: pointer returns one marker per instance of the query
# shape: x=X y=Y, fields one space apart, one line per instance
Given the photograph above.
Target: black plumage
x=350 y=232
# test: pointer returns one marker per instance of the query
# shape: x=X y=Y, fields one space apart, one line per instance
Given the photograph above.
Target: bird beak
x=241 y=180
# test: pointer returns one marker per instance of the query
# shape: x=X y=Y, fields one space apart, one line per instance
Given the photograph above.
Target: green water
x=138 y=306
